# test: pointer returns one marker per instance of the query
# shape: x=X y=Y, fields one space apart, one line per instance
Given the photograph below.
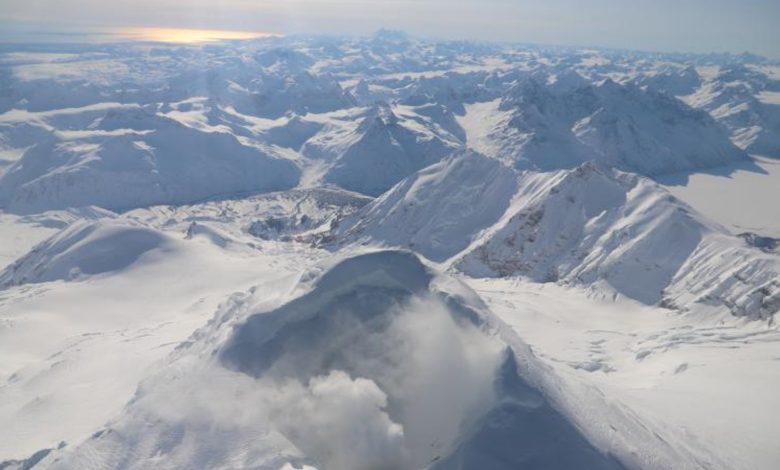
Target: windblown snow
x=387 y=253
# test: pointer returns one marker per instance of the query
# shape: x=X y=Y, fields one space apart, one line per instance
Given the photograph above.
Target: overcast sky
x=666 y=25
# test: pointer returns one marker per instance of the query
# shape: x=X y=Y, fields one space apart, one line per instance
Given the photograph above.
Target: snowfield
x=387 y=253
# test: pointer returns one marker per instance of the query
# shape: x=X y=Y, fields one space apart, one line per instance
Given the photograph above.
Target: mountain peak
x=381 y=114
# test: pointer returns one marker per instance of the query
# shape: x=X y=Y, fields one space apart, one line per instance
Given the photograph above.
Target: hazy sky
x=683 y=25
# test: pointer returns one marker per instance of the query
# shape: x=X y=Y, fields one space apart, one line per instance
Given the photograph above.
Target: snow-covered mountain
x=439 y=211
x=590 y=226
x=142 y=160
x=379 y=148
x=551 y=127
x=747 y=103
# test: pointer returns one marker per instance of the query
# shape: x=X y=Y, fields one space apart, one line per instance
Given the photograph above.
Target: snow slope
x=739 y=197
x=740 y=97
x=19 y=234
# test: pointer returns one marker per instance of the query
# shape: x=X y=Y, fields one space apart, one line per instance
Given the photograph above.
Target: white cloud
x=398 y=396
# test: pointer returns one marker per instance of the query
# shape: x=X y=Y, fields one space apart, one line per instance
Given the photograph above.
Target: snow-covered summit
x=381 y=148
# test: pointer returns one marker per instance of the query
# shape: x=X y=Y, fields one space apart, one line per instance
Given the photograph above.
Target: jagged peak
x=567 y=80
x=379 y=114
x=526 y=91
x=599 y=170
x=611 y=86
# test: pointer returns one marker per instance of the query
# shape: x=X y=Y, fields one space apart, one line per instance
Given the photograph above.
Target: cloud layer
x=693 y=25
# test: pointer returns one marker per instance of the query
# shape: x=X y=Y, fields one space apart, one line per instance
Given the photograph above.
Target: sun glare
x=179 y=35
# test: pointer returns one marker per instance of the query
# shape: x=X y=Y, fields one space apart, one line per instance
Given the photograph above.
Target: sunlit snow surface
x=358 y=253
x=21 y=33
